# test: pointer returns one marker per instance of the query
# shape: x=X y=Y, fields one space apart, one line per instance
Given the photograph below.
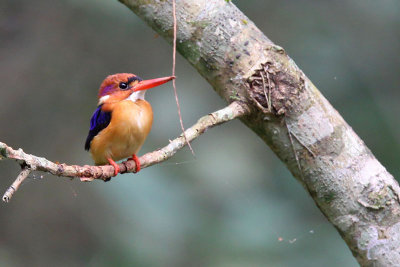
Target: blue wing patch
x=98 y=122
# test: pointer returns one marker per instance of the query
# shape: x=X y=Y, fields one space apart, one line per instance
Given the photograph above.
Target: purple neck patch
x=106 y=90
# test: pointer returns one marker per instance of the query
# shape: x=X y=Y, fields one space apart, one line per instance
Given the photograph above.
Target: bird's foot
x=115 y=165
x=137 y=162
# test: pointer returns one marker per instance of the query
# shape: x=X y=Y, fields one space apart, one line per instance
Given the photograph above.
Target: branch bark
x=88 y=173
x=352 y=189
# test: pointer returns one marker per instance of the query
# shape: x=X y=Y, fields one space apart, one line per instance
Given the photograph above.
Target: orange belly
x=124 y=136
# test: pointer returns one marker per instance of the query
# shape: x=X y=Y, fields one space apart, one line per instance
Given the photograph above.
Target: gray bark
x=352 y=189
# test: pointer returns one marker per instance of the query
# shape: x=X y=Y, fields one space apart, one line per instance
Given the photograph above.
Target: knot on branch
x=261 y=87
x=273 y=91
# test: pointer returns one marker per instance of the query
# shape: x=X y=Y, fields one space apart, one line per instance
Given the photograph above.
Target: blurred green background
x=235 y=204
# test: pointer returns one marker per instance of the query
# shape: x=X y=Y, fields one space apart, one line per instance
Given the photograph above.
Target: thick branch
x=354 y=191
x=89 y=173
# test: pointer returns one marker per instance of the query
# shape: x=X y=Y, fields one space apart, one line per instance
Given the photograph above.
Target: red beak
x=147 y=84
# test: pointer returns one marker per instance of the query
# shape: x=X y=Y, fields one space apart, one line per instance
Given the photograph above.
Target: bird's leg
x=137 y=162
x=115 y=165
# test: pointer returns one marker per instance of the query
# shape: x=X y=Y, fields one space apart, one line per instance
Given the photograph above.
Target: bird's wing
x=98 y=122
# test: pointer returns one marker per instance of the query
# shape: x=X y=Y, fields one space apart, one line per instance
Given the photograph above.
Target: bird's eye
x=123 y=85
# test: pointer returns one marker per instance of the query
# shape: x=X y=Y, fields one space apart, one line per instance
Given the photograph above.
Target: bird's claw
x=137 y=162
x=115 y=165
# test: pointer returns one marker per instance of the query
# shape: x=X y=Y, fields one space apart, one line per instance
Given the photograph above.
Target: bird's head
x=122 y=86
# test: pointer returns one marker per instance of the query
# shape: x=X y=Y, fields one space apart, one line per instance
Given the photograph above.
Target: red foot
x=137 y=162
x=115 y=165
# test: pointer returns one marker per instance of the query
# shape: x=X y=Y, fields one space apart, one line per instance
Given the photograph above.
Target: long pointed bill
x=147 y=84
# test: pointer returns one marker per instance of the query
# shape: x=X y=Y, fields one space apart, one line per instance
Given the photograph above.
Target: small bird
x=120 y=124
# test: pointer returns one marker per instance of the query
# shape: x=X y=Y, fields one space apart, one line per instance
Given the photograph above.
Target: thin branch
x=105 y=172
x=269 y=88
x=173 y=74
x=294 y=150
x=14 y=187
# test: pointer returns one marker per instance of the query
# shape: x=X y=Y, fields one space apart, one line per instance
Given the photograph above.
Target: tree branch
x=14 y=187
x=349 y=185
x=87 y=173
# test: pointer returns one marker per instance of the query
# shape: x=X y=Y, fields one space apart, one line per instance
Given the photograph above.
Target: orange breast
x=124 y=136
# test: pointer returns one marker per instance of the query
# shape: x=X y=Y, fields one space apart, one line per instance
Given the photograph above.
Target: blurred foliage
x=234 y=204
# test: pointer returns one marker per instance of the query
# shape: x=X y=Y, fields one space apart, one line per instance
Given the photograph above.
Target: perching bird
x=122 y=120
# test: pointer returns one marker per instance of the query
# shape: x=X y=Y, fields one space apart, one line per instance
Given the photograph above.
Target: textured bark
x=354 y=191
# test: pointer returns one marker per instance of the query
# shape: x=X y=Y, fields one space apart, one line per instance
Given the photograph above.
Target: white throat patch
x=103 y=99
x=137 y=95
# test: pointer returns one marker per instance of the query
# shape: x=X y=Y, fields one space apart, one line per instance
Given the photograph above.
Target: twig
x=234 y=110
x=269 y=89
x=265 y=93
x=294 y=151
x=14 y=187
x=173 y=74
x=306 y=147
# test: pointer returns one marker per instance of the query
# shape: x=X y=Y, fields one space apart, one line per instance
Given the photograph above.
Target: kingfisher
x=122 y=120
